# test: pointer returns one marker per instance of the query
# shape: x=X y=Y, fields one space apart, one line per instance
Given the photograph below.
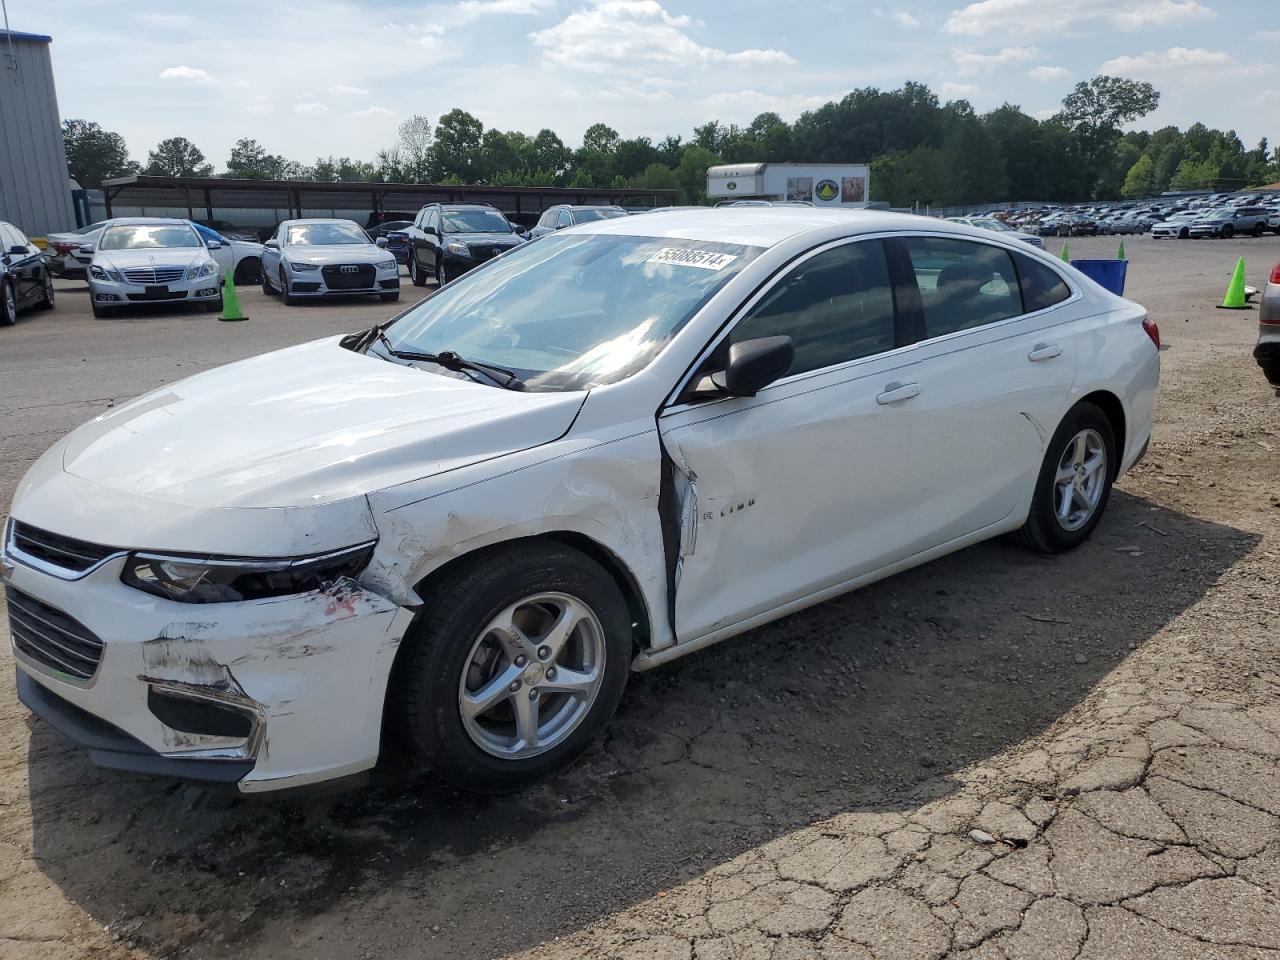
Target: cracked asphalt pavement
x=996 y=756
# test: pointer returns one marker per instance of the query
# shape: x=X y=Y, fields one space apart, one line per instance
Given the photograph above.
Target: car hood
x=491 y=239
x=335 y=253
x=306 y=425
x=167 y=257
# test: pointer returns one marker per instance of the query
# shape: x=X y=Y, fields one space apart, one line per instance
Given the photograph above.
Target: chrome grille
x=51 y=638
x=154 y=274
x=66 y=553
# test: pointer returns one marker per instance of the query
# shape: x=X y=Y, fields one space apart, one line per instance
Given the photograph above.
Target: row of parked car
x=149 y=260
x=1218 y=215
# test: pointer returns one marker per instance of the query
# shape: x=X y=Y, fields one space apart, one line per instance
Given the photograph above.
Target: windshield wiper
x=451 y=361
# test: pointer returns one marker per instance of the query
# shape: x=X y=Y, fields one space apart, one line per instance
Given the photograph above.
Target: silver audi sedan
x=320 y=258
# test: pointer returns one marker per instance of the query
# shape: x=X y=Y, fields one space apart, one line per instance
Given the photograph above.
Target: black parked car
x=567 y=215
x=448 y=239
x=25 y=280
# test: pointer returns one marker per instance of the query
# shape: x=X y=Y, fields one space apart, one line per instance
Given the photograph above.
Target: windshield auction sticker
x=702 y=259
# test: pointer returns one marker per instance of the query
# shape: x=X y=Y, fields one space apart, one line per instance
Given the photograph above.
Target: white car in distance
x=146 y=261
x=320 y=258
x=596 y=453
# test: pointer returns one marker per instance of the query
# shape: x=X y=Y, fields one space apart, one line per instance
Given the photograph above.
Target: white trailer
x=822 y=184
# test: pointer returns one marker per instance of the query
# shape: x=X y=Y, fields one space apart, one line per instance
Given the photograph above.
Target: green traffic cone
x=231 y=301
x=1235 y=300
x=1120 y=253
x=1066 y=255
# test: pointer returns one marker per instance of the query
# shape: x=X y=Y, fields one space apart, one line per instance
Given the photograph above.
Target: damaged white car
x=594 y=454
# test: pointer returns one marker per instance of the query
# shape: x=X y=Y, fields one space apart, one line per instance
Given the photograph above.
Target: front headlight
x=206 y=269
x=99 y=274
x=458 y=249
x=203 y=579
x=385 y=265
x=302 y=267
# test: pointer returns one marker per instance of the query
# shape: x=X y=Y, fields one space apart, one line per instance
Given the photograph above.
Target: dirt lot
x=1108 y=723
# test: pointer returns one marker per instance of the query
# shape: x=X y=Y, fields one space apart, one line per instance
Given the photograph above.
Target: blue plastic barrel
x=1108 y=274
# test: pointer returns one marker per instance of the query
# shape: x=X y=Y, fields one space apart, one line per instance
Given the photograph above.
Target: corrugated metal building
x=35 y=189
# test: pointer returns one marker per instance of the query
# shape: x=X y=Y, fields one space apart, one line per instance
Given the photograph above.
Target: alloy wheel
x=1080 y=480
x=532 y=675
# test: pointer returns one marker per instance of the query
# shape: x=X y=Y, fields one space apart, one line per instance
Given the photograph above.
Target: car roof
x=320 y=220
x=138 y=221
x=765 y=226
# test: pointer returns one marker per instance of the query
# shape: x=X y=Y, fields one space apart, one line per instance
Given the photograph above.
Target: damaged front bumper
x=267 y=694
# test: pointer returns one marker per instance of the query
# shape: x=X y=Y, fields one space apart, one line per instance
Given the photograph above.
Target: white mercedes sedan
x=594 y=454
x=137 y=261
x=320 y=258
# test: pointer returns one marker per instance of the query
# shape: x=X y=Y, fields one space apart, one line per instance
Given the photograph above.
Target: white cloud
x=192 y=75
x=342 y=90
x=370 y=112
x=635 y=37
x=957 y=91
x=1048 y=74
x=310 y=108
x=753 y=102
x=907 y=19
x=259 y=105
x=1179 y=63
x=468 y=10
x=970 y=63
x=1011 y=17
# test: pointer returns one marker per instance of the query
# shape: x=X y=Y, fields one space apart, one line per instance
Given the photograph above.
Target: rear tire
x=453 y=648
x=248 y=270
x=1064 y=478
x=46 y=302
x=416 y=276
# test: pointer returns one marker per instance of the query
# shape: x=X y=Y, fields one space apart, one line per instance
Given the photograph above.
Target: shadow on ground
x=870 y=701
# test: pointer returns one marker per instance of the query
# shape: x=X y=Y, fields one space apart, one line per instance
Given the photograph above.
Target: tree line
x=921 y=151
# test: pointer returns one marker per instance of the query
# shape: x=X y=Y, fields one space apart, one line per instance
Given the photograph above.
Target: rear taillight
x=1153 y=331
x=1275 y=274
x=64 y=248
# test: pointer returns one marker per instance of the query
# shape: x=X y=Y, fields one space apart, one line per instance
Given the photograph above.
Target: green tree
x=1194 y=175
x=455 y=152
x=177 y=157
x=658 y=176
x=249 y=160
x=1095 y=110
x=600 y=137
x=550 y=153
x=415 y=142
x=692 y=173
x=1140 y=181
x=94 y=154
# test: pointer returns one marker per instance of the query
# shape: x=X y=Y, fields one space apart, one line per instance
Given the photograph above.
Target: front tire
x=1227 y=233
x=8 y=304
x=442 y=273
x=1074 y=483
x=267 y=289
x=391 y=297
x=516 y=664
x=289 y=299
x=100 y=313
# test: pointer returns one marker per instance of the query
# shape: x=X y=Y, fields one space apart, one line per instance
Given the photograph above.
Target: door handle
x=898 y=391
x=1045 y=351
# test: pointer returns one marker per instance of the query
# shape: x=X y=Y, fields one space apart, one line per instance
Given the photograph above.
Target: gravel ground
x=998 y=755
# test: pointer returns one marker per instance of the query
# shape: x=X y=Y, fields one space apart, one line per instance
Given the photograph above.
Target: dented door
x=789 y=492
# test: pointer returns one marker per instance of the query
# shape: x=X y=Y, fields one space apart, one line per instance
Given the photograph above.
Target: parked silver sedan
x=319 y=258
x=1267 y=352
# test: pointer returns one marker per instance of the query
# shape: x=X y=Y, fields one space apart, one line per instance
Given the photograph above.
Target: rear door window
x=963 y=284
x=1041 y=285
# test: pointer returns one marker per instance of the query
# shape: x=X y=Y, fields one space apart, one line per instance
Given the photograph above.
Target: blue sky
x=316 y=77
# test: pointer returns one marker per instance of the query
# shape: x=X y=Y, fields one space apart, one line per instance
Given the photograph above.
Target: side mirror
x=521 y=230
x=381 y=243
x=431 y=230
x=86 y=249
x=18 y=250
x=754 y=364
x=214 y=244
x=272 y=244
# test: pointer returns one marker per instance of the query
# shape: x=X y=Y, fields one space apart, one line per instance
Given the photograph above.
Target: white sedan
x=320 y=258
x=149 y=261
x=592 y=455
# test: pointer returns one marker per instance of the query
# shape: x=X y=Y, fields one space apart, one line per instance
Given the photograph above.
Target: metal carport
x=213 y=197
